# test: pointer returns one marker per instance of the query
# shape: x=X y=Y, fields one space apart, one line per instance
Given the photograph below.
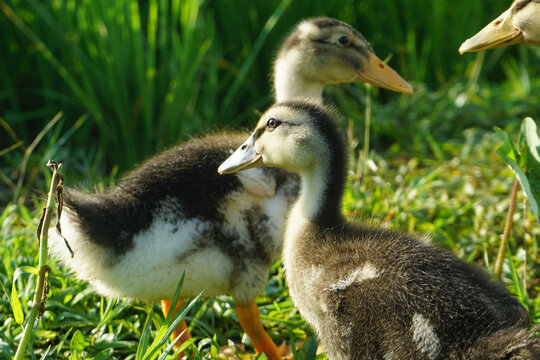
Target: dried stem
x=37 y=304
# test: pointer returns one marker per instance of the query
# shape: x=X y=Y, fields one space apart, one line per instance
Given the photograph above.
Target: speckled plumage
x=369 y=292
x=373 y=317
x=176 y=213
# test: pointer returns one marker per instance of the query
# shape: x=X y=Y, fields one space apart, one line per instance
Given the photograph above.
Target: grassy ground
x=459 y=200
x=431 y=169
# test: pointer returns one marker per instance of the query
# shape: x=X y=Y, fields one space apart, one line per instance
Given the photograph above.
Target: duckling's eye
x=343 y=40
x=272 y=123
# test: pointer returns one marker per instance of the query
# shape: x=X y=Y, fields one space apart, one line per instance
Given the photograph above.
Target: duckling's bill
x=499 y=33
x=245 y=157
x=377 y=73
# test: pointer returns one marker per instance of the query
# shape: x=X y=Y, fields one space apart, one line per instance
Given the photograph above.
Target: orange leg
x=248 y=316
x=166 y=307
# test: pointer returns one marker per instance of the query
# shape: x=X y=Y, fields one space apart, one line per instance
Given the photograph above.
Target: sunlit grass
x=134 y=77
x=459 y=203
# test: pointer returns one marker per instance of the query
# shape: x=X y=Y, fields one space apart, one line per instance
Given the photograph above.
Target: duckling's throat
x=321 y=194
x=290 y=81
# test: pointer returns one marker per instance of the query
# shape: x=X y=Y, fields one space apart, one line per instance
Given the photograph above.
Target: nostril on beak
x=244 y=147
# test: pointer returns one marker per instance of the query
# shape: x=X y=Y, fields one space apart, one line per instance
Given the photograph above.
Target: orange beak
x=377 y=73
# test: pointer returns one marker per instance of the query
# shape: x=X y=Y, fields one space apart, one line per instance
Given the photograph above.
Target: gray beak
x=245 y=157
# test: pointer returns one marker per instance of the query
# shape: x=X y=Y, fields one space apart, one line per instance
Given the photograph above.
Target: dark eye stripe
x=321 y=41
x=258 y=133
x=521 y=5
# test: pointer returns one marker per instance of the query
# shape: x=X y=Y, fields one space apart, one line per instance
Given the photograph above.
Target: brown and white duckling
x=373 y=293
x=519 y=24
x=175 y=214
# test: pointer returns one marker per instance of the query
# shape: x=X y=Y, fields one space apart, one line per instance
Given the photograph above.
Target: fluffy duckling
x=372 y=293
x=175 y=214
x=519 y=24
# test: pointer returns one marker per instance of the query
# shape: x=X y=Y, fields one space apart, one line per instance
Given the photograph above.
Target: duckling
x=519 y=24
x=174 y=214
x=324 y=51
x=368 y=292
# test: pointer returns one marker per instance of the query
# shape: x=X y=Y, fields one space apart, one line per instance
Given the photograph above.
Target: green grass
x=459 y=201
x=132 y=77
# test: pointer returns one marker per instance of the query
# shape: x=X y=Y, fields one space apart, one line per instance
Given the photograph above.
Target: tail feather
x=508 y=344
x=101 y=219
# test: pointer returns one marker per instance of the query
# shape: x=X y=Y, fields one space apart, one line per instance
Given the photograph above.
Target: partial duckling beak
x=377 y=73
x=498 y=33
x=245 y=157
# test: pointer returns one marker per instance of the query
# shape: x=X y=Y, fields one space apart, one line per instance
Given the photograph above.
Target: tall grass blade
x=267 y=29
x=29 y=151
x=164 y=334
x=142 y=346
x=176 y=296
x=15 y=303
x=48 y=56
x=521 y=293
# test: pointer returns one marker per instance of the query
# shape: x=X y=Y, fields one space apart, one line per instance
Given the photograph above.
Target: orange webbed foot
x=249 y=318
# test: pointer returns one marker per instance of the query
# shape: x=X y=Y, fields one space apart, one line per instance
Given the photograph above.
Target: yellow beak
x=498 y=33
x=377 y=73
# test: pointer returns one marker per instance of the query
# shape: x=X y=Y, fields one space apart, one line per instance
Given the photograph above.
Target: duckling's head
x=323 y=51
x=294 y=135
x=519 y=24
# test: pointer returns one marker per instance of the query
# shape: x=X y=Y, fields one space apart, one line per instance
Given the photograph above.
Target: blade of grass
x=521 y=293
x=367 y=132
x=15 y=303
x=47 y=55
x=145 y=336
x=29 y=151
x=267 y=29
x=164 y=333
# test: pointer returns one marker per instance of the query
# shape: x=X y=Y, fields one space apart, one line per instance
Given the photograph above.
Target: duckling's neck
x=320 y=200
x=290 y=81
x=528 y=21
